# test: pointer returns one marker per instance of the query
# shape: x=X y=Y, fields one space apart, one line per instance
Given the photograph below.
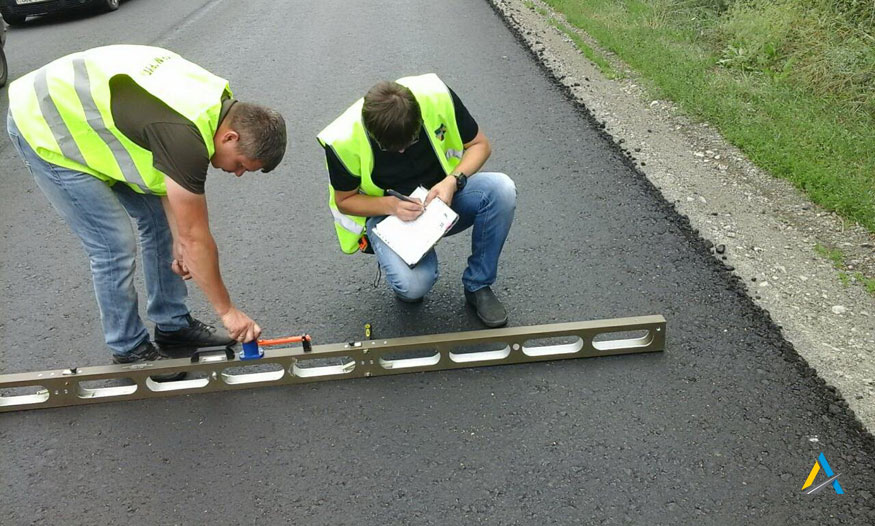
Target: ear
x=230 y=136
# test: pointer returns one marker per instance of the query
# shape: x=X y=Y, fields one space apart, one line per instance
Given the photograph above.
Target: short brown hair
x=391 y=115
x=262 y=133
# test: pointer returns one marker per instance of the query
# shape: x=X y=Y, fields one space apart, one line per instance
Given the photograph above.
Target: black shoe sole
x=170 y=377
x=175 y=351
x=185 y=351
x=492 y=324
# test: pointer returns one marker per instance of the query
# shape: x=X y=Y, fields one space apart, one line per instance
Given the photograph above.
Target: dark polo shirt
x=177 y=147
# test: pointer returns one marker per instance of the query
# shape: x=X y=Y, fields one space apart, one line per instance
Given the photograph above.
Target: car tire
x=110 y=5
x=4 y=70
x=14 y=20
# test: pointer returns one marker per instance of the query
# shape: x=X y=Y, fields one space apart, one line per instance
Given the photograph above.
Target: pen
x=402 y=197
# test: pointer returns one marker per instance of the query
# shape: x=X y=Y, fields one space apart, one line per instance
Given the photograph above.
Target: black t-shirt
x=178 y=150
x=403 y=172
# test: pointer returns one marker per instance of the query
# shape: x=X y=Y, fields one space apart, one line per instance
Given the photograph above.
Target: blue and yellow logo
x=441 y=132
x=819 y=464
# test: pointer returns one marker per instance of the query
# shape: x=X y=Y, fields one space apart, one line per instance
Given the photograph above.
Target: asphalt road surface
x=722 y=428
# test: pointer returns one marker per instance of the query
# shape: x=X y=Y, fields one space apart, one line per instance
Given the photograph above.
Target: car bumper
x=39 y=8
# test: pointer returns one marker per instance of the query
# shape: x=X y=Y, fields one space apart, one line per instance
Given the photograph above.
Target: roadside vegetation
x=790 y=82
x=847 y=277
x=594 y=56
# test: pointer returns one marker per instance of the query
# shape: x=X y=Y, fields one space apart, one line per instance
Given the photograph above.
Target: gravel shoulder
x=761 y=227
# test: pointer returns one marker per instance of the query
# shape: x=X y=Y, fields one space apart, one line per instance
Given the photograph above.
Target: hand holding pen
x=406 y=208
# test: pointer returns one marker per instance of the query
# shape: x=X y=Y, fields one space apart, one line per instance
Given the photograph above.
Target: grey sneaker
x=146 y=352
x=490 y=311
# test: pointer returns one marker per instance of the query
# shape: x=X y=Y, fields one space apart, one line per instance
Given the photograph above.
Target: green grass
x=868 y=283
x=790 y=82
x=833 y=254
x=838 y=261
x=597 y=58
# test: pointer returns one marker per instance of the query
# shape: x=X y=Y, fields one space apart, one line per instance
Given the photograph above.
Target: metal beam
x=220 y=370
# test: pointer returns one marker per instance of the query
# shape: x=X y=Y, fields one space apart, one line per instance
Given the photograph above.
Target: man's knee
x=113 y=252
x=503 y=191
x=414 y=285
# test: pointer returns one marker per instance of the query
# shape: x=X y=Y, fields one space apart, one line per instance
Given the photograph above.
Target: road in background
x=721 y=428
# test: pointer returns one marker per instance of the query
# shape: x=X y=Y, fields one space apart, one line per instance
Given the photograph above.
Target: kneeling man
x=410 y=133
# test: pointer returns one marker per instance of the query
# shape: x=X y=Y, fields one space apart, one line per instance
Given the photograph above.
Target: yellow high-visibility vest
x=63 y=110
x=347 y=137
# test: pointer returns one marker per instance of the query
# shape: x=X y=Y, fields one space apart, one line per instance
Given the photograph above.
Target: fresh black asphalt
x=721 y=428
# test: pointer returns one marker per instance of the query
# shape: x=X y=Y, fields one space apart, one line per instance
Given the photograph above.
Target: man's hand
x=178 y=266
x=443 y=190
x=405 y=210
x=240 y=326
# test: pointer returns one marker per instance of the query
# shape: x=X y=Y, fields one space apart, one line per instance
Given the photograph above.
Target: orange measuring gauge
x=304 y=338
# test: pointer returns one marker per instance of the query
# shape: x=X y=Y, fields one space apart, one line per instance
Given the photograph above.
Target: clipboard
x=411 y=240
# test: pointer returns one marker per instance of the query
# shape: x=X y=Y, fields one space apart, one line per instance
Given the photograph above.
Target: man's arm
x=354 y=203
x=178 y=266
x=187 y=214
x=477 y=151
x=351 y=202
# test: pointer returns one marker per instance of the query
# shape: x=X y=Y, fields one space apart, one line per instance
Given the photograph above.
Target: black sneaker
x=184 y=342
x=490 y=311
x=146 y=352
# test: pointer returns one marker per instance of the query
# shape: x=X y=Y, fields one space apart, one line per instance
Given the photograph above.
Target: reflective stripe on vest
x=53 y=117
x=82 y=85
x=346 y=222
x=346 y=136
x=63 y=110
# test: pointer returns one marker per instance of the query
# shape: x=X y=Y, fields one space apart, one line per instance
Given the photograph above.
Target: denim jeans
x=487 y=203
x=100 y=215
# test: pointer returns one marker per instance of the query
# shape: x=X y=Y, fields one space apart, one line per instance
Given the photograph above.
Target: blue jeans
x=100 y=215
x=487 y=203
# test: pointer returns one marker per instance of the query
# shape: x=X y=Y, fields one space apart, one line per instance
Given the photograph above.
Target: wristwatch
x=461 y=180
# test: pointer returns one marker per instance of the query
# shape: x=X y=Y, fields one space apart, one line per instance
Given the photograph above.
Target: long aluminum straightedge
x=221 y=371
